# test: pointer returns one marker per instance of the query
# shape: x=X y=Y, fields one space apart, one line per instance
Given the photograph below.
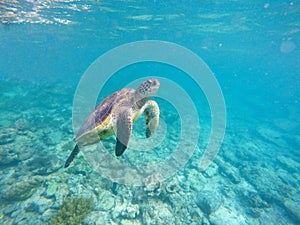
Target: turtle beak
x=154 y=82
x=154 y=85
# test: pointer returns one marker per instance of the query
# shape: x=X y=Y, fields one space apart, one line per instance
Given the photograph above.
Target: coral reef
x=272 y=135
x=18 y=191
x=157 y=212
x=7 y=135
x=107 y=201
x=125 y=210
x=172 y=186
x=293 y=208
x=208 y=201
x=253 y=202
x=43 y=164
x=19 y=150
x=153 y=184
x=254 y=179
x=73 y=211
x=22 y=125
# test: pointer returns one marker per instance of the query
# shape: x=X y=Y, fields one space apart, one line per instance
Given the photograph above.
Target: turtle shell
x=97 y=120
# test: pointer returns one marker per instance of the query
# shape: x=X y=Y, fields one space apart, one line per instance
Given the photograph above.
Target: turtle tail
x=72 y=156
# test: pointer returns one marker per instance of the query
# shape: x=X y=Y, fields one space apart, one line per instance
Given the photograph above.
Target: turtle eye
x=153 y=82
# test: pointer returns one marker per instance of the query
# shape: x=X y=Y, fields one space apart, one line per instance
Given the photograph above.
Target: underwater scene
x=197 y=123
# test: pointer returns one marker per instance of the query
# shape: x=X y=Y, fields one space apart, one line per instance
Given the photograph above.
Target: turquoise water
x=251 y=48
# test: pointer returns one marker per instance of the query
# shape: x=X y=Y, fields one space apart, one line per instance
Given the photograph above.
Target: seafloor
x=255 y=178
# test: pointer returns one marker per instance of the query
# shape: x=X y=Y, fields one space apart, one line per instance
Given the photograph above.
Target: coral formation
x=107 y=201
x=19 y=150
x=157 y=212
x=209 y=201
x=22 y=125
x=172 y=186
x=21 y=190
x=73 y=211
x=7 y=135
x=253 y=180
x=43 y=164
x=153 y=184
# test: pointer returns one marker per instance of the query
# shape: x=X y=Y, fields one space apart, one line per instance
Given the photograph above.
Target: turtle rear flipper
x=72 y=156
x=124 y=128
x=151 y=114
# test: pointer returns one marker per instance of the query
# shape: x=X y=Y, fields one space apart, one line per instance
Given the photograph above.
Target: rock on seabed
x=208 y=201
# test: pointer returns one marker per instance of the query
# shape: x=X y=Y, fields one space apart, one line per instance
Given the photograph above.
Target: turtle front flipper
x=124 y=128
x=72 y=156
x=151 y=114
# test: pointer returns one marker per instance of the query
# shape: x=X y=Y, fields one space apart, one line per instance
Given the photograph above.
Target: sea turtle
x=115 y=115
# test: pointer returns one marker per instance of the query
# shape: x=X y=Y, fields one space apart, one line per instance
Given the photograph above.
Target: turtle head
x=146 y=90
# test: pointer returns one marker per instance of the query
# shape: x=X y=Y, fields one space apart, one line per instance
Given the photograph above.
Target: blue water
x=253 y=52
